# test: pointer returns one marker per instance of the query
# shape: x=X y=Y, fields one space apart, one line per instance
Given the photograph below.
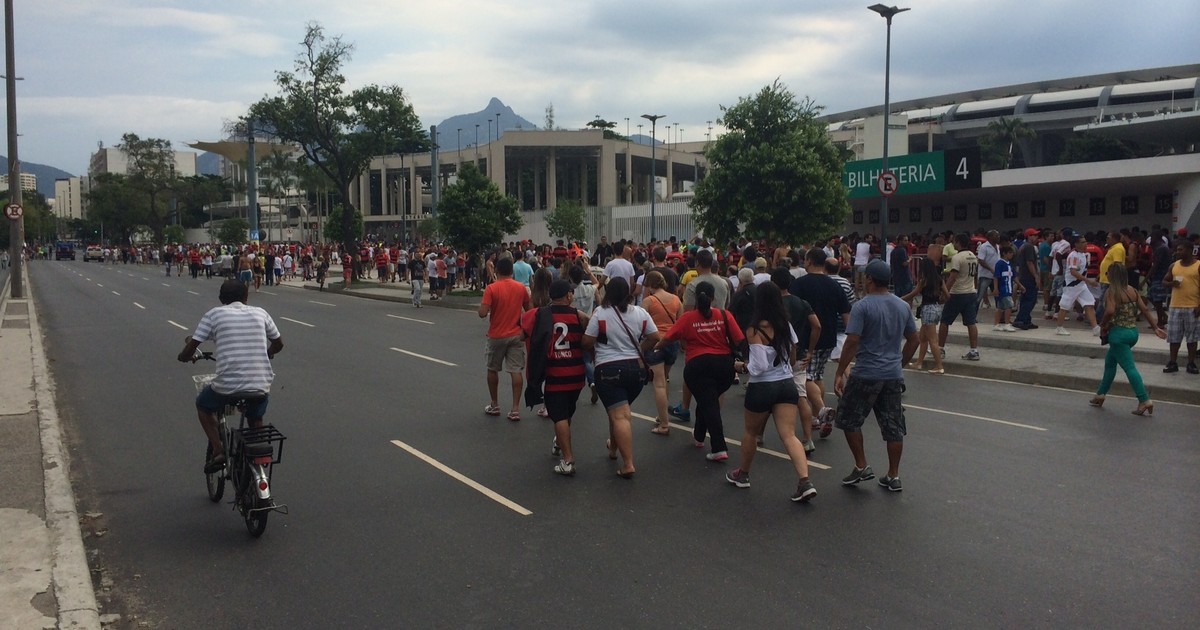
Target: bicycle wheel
x=256 y=519
x=215 y=481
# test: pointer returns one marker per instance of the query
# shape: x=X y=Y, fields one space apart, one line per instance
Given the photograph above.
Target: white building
x=68 y=198
x=114 y=160
x=28 y=182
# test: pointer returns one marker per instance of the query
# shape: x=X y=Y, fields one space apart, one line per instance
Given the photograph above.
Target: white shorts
x=800 y=378
x=1080 y=294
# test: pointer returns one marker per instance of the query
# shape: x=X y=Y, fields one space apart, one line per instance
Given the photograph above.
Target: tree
x=117 y=205
x=234 y=232
x=1089 y=147
x=473 y=214
x=173 y=234
x=607 y=127
x=550 y=117
x=774 y=174
x=40 y=223
x=567 y=220
x=151 y=169
x=337 y=221
x=1002 y=135
x=194 y=193
x=338 y=132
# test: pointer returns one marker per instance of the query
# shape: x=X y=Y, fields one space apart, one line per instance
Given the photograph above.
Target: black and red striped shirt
x=564 y=354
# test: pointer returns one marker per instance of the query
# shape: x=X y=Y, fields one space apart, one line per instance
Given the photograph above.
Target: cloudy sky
x=176 y=69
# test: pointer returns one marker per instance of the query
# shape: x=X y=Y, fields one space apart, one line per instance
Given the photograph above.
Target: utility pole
x=16 y=233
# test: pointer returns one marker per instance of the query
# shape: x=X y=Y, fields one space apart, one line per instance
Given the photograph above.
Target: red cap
x=1182 y=231
x=1031 y=232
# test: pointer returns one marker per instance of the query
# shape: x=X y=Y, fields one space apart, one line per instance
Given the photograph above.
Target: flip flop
x=626 y=475
x=514 y=416
x=491 y=410
x=661 y=430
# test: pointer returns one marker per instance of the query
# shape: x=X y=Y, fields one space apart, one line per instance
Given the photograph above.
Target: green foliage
x=39 y=221
x=567 y=220
x=173 y=234
x=196 y=192
x=774 y=174
x=151 y=170
x=337 y=131
x=118 y=205
x=427 y=229
x=1003 y=135
x=473 y=214
x=1089 y=147
x=234 y=232
x=335 y=223
x=550 y=117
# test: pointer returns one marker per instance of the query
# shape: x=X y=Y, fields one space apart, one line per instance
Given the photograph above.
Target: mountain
x=45 y=175
x=448 y=129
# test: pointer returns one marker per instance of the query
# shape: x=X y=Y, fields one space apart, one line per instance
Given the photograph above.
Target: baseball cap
x=879 y=271
x=1031 y=232
x=559 y=289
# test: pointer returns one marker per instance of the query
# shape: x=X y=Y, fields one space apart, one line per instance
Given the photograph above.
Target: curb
x=1088 y=351
x=73 y=589
x=451 y=302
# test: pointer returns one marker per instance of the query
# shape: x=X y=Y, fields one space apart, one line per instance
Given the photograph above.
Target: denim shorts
x=966 y=304
x=1004 y=303
x=212 y=402
x=619 y=382
x=666 y=354
x=931 y=314
x=762 y=397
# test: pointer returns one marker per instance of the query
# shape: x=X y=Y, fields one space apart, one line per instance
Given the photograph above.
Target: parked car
x=64 y=249
x=94 y=252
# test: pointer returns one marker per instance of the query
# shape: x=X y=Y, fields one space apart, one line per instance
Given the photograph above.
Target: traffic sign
x=887 y=184
x=254 y=235
x=932 y=172
x=13 y=211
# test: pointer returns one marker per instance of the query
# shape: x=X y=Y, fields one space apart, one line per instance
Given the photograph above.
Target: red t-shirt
x=706 y=336
x=506 y=300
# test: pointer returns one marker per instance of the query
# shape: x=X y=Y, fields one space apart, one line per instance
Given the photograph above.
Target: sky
x=174 y=69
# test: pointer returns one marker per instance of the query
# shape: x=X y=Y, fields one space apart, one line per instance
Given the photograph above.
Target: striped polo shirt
x=241 y=333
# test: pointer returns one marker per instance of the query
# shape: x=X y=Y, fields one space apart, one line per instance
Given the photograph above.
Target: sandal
x=492 y=410
x=514 y=416
x=612 y=450
x=661 y=430
x=214 y=465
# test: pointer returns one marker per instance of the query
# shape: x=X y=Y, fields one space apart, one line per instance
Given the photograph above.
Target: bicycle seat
x=259 y=449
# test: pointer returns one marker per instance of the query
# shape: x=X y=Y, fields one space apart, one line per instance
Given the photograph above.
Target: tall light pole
x=653 y=118
x=458 y=146
x=476 y=145
x=16 y=233
x=888 y=13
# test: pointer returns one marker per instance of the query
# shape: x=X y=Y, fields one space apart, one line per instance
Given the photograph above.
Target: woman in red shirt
x=709 y=335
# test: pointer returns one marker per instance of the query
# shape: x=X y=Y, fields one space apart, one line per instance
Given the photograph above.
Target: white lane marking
x=973 y=417
x=296 y=321
x=165 y=284
x=409 y=319
x=269 y=293
x=767 y=451
x=177 y=325
x=421 y=356
x=145 y=278
x=192 y=292
x=139 y=306
x=322 y=303
x=99 y=285
x=478 y=487
x=115 y=293
x=87 y=278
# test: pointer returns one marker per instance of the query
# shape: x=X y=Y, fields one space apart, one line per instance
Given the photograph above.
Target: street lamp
x=458 y=146
x=887 y=13
x=653 y=118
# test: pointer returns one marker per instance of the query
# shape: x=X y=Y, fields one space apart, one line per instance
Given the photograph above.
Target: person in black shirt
x=829 y=303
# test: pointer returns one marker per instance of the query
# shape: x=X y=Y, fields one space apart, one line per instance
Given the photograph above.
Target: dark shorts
x=667 y=354
x=401 y=268
x=762 y=397
x=965 y=304
x=861 y=397
x=619 y=382
x=561 y=405
x=245 y=276
x=212 y=402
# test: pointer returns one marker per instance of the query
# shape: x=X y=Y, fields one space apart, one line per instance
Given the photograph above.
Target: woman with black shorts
x=772 y=392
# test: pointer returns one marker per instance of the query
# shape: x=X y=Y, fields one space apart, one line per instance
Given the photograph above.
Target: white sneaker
x=1096 y=331
x=998 y=327
x=1009 y=328
x=1061 y=331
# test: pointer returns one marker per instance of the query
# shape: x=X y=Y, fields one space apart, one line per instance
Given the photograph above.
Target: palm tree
x=1002 y=135
x=278 y=173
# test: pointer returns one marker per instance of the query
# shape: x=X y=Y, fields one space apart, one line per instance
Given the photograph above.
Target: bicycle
x=250 y=457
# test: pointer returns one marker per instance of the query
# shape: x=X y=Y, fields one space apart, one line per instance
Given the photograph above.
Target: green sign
x=936 y=171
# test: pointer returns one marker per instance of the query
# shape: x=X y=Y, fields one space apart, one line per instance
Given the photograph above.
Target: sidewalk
x=44 y=578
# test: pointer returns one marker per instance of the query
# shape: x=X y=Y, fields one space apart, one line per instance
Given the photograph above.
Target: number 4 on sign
x=962 y=170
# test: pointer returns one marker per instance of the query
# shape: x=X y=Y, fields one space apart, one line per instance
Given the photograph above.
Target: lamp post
x=458 y=145
x=653 y=118
x=888 y=13
x=16 y=234
x=477 y=145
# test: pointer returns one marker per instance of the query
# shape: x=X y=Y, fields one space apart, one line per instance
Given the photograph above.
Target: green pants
x=1120 y=352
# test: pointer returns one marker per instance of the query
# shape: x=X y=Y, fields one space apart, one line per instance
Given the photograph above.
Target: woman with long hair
x=539 y=287
x=665 y=308
x=708 y=335
x=1121 y=306
x=772 y=392
x=619 y=333
x=933 y=295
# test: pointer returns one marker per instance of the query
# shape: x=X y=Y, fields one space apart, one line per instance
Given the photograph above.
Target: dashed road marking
x=296 y=321
x=421 y=356
x=139 y=306
x=192 y=292
x=322 y=303
x=409 y=319
x=115 y=293
x=478 y=487
x=269 y=293
x=177 y=325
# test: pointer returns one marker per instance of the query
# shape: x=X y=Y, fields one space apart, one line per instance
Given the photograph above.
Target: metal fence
x=671 y=218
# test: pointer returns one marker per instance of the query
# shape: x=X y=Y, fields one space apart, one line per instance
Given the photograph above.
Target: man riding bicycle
x=247 y=340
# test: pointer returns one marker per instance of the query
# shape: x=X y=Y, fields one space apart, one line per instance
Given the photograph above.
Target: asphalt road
x=1022 y=505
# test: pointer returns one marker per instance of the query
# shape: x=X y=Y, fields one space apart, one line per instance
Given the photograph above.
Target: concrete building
x=114 y=160
x=69 y=202
x=28 y=182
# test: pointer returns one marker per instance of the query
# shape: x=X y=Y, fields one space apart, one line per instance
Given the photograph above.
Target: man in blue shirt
x=522 y=272
x=877 y=321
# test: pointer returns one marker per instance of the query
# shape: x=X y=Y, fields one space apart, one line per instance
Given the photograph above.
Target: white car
x=93 y=253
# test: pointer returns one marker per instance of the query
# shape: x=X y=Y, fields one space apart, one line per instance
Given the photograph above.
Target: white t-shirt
x=620 y=268
x=987 y=253
x=862 y=253
x=761 y=277
x=1059 y=247
x=612 y=342
x=241 y=333
x=1077 y=261
x=761 y=362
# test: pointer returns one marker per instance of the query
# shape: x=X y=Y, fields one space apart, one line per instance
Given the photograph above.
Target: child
x=1003 y=285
